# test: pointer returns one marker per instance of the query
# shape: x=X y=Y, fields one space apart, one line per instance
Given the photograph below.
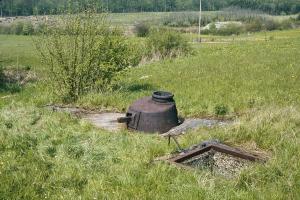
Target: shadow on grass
x=133 y=87
x=12 y=80
x=10 y=87
x=139 y=87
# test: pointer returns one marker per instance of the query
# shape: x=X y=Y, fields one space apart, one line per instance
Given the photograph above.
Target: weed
x=221 y=110
x=8 y=125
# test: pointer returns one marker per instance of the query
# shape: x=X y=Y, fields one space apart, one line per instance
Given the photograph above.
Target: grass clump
x=221 y=110
x=142 y=30
x=18 y=28
x=167 y=43
x=7 y=84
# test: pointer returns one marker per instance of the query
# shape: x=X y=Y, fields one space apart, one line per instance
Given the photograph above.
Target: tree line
x=38 y=7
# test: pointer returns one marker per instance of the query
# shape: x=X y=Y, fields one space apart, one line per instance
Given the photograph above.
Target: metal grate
x=217 y=158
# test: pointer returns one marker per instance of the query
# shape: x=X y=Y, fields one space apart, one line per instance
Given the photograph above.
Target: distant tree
x=29 y=7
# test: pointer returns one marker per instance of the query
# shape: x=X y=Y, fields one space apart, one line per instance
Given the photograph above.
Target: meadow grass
x=239 y=75
x=44 y=154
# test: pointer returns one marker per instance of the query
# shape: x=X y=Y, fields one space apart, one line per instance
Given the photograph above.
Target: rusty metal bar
x=191 y=154
x=217 y=147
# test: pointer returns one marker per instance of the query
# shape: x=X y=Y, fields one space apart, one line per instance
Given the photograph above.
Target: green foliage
x=40 y=28
x=8 y=84
x=17 y=28
x=255 y=25
x=271 y=25
x=83 y=54
x=1 y=75
x=25 y=7
x=298 y=17
x=221 y=110
x=231 y=29
x=27 y=28
x=142 y=30
x=184 y=19
x=167 y=43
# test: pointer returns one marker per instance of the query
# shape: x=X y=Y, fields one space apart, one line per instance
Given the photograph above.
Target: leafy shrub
x=21 y=28
x=1 y=75
x=83 y=54
x=185 y=19
x=142 y=29
x=254 y=26
x=221 y=110
x=286 y=24
x=231 y=29
x=298 y=17
x=40 y=28
x=271 y=25
x=167 y=43
x=251 y=26
x=17 y=28
x=27 y=28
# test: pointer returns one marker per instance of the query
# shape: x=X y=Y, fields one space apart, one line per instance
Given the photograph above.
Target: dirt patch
x=99 y=118
x=106 y=121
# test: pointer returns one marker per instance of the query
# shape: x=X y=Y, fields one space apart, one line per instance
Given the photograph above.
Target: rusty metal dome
x=157 y=113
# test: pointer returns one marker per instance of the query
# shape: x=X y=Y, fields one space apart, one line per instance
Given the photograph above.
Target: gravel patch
x=218 y=163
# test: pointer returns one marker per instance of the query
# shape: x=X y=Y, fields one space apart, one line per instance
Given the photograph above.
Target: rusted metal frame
x=217 y=147
x=235 y=152
x=191 y=154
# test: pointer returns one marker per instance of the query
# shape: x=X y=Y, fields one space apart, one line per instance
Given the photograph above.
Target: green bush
x=298 y=17
x=254 y=26
x=17 y=28
x=1 y=75
x=271 y=25
x=142 y=29
x=83 y=54
x=231 y=29
x=185 y=19
x=27 y=28
x=167 y=43
x=286 y=24
x=221 y=110
x=40 y=28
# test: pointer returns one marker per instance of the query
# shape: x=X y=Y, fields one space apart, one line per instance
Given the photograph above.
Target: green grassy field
x=44 y=154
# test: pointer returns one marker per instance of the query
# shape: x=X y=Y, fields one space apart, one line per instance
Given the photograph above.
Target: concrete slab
x=106 y=121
